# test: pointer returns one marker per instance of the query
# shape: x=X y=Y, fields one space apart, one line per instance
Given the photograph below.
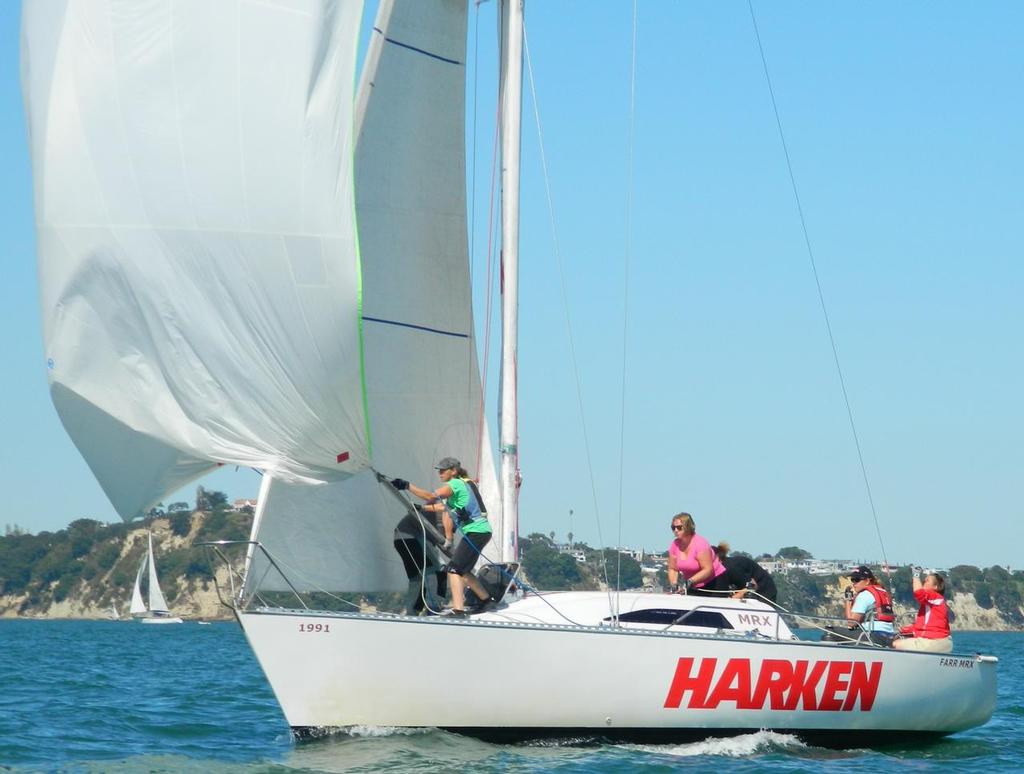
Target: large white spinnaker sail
x=423 y=392
x=199 y=278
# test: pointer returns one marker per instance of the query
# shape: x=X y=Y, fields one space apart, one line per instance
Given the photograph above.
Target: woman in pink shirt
x=691 y=556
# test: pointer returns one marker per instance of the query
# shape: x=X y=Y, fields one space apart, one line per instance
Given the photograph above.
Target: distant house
x=824 y=567
x=575 y=553
x=243 y=504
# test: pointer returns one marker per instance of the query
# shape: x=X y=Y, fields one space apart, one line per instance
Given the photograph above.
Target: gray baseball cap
x=448 y=462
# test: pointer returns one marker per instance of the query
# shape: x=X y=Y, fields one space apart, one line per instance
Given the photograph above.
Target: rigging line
x=630 y=145
x=821 y=294
x=489 y=294
x=565 y=308
x=295 y=572
x=472 y=201
x=489 y=287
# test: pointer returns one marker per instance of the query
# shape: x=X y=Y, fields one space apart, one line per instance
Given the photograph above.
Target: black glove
x=672 y=588
x=399 y=483
x=848 y=594
x=685 y=586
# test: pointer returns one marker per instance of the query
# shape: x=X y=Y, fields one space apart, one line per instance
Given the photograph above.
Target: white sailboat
x=200 y=171
x=152 y=610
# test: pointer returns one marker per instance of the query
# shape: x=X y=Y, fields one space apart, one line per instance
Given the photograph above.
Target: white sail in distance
x=198 y=271
x=138 y=606
x=157 y=603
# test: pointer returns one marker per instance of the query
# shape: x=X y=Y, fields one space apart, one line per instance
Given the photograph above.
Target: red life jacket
x=883 y=604
x=932 y=618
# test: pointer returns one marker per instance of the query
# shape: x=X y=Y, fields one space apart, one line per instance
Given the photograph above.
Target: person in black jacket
x=424 y=566
x=745 y=575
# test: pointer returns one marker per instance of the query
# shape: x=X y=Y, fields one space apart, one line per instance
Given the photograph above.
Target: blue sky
x=903 y=124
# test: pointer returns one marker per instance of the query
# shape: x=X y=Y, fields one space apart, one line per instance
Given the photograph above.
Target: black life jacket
x=466 y=514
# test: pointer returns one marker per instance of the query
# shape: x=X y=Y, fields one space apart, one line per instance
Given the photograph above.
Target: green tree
x=216 y=500
x=181 y=523
x=983 y=596
x=794 y=554
x=902 y=588
x=626 y=566
x=801 y=592
x=82 y=535
x=209 y=500
x=19 y=554
x=53 y=565
x=965 y=573
x=547 y=569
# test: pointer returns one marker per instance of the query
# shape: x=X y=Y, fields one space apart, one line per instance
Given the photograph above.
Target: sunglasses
x=677 y=527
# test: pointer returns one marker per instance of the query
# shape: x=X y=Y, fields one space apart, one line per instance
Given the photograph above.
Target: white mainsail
x=138 y=606
x=198 y=272
x=423 y=392
x=421 y=358
x=157 y=603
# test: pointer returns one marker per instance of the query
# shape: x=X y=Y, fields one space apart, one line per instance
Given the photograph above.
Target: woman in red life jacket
x=930 y=630
x=868 y=608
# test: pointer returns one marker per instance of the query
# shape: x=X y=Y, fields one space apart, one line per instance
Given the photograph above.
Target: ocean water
x=96 y=696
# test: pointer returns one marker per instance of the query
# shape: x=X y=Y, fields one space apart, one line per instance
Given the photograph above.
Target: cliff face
x=192 y=602
x=969 y=615
x=190 y=594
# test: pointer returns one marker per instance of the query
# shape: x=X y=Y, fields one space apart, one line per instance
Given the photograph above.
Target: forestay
x=198 y=272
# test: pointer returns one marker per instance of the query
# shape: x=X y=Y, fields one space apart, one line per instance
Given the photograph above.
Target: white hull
x=160 y=620
x=338 y=670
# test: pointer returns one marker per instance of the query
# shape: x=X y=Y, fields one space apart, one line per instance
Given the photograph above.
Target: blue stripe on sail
x=417 y=50
x=416 y=327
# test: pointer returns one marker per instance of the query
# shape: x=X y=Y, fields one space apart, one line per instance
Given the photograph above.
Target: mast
x=511 y=122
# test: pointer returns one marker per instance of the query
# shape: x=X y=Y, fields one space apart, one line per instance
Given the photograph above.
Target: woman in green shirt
x=459 y=501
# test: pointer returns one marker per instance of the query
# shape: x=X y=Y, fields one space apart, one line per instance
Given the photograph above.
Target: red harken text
x=834 y=686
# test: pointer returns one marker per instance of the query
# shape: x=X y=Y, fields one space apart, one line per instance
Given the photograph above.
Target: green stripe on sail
x=359 y=259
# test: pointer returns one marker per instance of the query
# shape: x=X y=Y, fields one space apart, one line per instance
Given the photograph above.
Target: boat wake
x=730 y=747
x=362 y=732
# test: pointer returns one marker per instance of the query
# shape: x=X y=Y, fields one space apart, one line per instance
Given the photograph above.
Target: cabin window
x=667 y=616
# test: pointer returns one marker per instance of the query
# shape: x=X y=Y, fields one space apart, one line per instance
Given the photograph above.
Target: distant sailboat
x=113 y=615
x=156 y=612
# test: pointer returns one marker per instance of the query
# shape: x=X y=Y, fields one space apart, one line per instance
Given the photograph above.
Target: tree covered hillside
x=85 y=569
x=95 y=564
